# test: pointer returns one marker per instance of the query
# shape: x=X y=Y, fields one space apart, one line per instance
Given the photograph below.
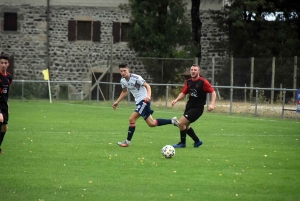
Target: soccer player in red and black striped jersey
x=197 y=88
x=5 y=82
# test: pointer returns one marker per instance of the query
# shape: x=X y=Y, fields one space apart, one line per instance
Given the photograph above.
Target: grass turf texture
x=64 y=151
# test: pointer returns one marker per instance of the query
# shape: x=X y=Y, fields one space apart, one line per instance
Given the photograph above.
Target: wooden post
x=295 y=78
x=252 y=78
x=245 y=93
x=273 y=80
x=111 y=67
x=213 y=71
x=231 y=84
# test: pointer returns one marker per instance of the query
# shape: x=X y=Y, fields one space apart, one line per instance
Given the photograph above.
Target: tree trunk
x=196 y=25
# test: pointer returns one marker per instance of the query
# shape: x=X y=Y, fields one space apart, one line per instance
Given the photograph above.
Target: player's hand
x=210 y=107
x=115 y=105
x=147 y=99
x=174 y=102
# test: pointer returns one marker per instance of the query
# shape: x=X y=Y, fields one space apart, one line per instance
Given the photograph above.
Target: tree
x=196 y=25
x=251 y=34
x=157 y=29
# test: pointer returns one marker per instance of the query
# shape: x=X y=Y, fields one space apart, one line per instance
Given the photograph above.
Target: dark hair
x=123 y=65
x=196 y=65
x=4 y=56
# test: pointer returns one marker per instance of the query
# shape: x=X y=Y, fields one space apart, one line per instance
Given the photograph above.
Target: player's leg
x=146 y=112
x=195 y=114
x=1 y=133
x=182 y=125
x=158 y=122
x=132 y=120
x=190 y=131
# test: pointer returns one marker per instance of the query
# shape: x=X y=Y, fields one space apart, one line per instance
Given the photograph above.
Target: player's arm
x=148 y=88
x=122 y=95
x=179 y=97
x=213 y=100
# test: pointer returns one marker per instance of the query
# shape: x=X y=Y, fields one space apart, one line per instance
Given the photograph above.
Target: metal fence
x=232 y=100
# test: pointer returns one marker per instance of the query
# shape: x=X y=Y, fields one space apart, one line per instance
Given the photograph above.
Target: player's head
x=124 y=70
x=195 y=71
x=4 y=62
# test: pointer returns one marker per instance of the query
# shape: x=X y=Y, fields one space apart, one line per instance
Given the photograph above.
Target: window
x=84 y=30
x=10 y=22
x=120 y=30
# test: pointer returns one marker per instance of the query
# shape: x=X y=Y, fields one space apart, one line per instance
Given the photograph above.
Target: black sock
x=1 y=137
x=161 y=122
x=192 y=134
x=183 y=136
x=131 y=130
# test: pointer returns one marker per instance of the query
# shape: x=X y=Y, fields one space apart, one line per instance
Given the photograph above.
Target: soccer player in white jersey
x=142 y=96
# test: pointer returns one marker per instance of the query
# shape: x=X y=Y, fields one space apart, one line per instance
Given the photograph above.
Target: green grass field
x=68 y=151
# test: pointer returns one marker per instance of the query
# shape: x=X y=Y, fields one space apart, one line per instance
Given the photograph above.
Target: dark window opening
x=84 y=30
x=124 y=32
x=10 y=22
x=120 y=31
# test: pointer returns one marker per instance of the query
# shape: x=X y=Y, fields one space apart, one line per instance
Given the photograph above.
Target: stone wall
x=73 y=61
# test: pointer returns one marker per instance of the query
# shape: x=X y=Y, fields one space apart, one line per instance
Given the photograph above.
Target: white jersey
x=135 y=86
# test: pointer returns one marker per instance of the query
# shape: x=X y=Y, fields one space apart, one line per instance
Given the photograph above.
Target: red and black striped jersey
x=197 y=90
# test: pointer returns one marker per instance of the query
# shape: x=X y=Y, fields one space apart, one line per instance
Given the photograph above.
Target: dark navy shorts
x=144 y=109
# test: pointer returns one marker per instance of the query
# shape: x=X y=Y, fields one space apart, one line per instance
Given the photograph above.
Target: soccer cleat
x=125 y=143
x=179 y=145
x=1 y=152
x=198 y=144
x=175 y=121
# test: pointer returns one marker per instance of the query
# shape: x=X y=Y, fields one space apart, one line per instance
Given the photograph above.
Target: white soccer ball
x=168 y=151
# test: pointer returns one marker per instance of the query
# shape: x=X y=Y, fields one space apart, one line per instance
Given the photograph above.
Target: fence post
x=252 y=78
x=113 y=94
x=213 y=71
x=22 y=90
x=283 y=103
x=167 y=95
x=245 y=93
x=218 y=93
x=256 y=101
x=280 y=93
x=231 y=94
x=97 y=91
x=111 y=64
x=295 y=78
x=90 y=93
x=273 y=80
x=231 y=85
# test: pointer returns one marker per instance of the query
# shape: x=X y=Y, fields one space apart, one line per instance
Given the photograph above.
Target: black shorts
x=4 y=112
x=192 y=114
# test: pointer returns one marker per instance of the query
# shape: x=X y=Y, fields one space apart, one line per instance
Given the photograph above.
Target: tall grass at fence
x=69 y=151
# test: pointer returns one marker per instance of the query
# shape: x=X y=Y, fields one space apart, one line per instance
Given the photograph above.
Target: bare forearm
x=122 y=95
x=179 y=97
x=213 y=98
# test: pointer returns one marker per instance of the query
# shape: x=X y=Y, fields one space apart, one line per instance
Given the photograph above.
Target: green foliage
x=160 y=29
x=32 y=90
x=250 y=34
x=59 y=157
x=157 y=27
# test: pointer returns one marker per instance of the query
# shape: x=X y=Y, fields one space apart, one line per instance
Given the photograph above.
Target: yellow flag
x=46 y=74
